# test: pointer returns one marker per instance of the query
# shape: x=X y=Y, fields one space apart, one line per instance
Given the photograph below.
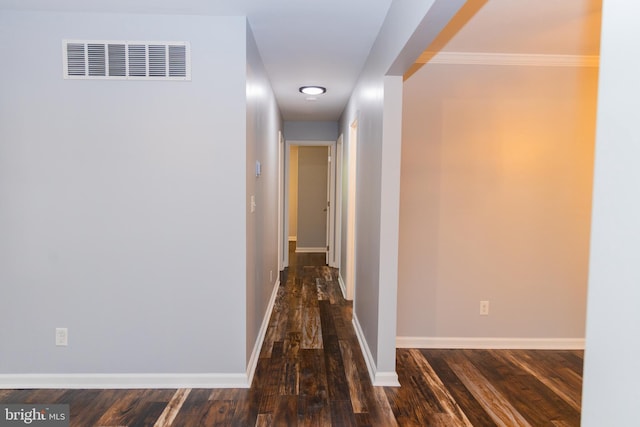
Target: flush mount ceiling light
x=313 y=90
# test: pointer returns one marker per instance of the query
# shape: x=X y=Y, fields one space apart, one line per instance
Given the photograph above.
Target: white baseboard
x=491 y=343
x=122 y=381
x=293 y=238
x=382 y=379
x=138 y=381
x=307 y=250
x=343 y=287
x=255 y=354
x=386 y=379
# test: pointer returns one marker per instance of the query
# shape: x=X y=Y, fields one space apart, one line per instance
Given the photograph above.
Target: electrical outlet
x=62 y=337
x=271 y=276
x=484 y=308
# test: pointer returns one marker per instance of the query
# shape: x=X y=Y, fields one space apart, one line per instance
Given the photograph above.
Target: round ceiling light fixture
x=313 y=90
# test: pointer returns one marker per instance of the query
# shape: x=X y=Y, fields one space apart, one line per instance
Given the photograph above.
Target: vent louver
x=126 y=60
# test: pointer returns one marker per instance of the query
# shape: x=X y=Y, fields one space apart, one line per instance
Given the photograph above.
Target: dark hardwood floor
x=311 y=373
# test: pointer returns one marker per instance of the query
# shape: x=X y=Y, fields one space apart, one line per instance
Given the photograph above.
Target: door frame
x=284 y=209
x=337 y=198
x=282 y=253
x=329 y=229
x=352 y=179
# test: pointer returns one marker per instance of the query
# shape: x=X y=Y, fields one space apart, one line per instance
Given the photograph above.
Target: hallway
x=311 y=370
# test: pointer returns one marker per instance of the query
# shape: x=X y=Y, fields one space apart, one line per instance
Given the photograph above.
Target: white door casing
x=351 y=211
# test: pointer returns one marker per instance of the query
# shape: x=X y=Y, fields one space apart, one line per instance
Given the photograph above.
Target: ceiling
x=566 y=27
x=302 y=42
x=326 y=42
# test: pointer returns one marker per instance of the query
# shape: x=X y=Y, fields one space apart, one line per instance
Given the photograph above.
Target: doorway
x=311 y=219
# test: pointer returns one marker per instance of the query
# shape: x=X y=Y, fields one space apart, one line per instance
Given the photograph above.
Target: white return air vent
x=84 y=59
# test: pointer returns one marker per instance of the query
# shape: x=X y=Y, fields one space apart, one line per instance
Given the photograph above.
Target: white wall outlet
x=484 y=308
x=253 y=203
x=62 y=337
x=271 y=276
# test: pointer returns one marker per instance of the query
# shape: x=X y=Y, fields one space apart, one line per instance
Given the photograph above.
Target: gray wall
x=311 y=131
x=312 y=197
x=122 y=203
x=263 y=126
x=497 y=166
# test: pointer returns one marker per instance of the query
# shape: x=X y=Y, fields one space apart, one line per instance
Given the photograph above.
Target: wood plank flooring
x=311 y=373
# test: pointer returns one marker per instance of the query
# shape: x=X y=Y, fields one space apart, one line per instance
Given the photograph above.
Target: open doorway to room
x=311 y=220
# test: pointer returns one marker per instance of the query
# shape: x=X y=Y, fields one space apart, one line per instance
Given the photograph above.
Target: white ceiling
x=316 y=42
x=326 y=42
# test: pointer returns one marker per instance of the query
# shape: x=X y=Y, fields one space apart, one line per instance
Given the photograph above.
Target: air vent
x=126 y=60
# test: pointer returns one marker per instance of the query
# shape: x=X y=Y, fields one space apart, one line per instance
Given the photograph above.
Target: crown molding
x=518 y=59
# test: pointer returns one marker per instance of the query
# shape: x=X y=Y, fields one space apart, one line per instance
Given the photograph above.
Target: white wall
x=263 y=124
x=497 y=166
x=122 y=203
x=376 y=104
x=612 y=366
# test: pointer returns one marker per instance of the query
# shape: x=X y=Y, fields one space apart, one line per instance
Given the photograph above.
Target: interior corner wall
x=497 y=168
x=369 y=104
x=263 y=126
x=122 y=203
